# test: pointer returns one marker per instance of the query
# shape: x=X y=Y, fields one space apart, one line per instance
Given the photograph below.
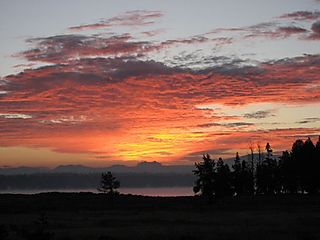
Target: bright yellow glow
x=159 y=146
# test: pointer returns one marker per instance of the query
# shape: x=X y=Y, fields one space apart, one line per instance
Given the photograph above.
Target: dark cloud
x=228 y=125
x=309 y=120
x=302 y=15
x=237 y=124
x=315 y=35
x=287 y=31
x=316 y=27
x=271 y=31
x=207 y=125
x=153 y=33
x=192 y=40
x=259 y=114
x=62 y=48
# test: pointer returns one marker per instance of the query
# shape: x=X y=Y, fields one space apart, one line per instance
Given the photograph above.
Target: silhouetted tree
x=260 y=177
x=260 y=154
x=252 y=170
x=268 y=174
x=309 y=171
x=246 y=177
x=317 y=162
x=109 y=184
x=272 y=171
x=237 y=181
x=297 y=158
x=222 y=185
x=293 y=172
x=205 y=172
x=289 y=173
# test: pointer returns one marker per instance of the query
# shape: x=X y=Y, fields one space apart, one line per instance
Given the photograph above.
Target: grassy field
x=91 y=216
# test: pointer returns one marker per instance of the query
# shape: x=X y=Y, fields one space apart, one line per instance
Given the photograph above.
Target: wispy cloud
x=130 y=18
x=284 y=26
x=62 y=48
x=309 y=120
x=302 y=15
x=259 y=114
x=15 y=116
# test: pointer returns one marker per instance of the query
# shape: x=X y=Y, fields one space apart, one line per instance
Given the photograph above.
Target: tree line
x=295 y=172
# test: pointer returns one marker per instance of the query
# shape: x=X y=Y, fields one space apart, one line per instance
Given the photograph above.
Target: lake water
x=146 y=191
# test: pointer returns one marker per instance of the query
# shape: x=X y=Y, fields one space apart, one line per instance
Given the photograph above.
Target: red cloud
x=302 y=15
x=131 y=18
x=60 y=49
x=64 y=48
x=116 y=106
x=287 y=31
x=271 y=30
x=153 y=32
x=99 y=96
x=268 y=29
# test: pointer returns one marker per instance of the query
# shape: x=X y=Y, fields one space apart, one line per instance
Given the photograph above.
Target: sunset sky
x=122 y=81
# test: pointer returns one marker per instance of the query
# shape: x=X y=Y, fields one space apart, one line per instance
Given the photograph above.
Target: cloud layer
x=108 y=96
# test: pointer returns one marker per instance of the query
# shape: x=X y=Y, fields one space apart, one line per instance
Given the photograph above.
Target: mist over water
x=144 y=191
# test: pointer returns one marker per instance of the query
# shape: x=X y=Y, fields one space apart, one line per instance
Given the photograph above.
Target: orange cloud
x=130 y=109
x=104 y=96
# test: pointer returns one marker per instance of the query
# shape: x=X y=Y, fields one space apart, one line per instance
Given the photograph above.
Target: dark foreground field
x=91 y=216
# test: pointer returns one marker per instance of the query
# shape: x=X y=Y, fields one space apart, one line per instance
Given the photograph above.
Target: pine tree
x=270 y=165
x=317 y=163
x=297 y=158
x=246 y=177
x=309 y=172
x=237 y=181
x=289 y=174
x=268 y=174
x=109 y=184
x=223 y=179
x=205 y=172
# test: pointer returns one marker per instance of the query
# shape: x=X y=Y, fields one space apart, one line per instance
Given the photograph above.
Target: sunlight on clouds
x=137 y=85
x=267 y=116
x=159 y=146
x=15 y=116
x=67 y=119
x=12 y=157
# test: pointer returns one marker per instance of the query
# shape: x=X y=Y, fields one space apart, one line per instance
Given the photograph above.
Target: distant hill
x=23 y=170
x=72 y=169
x=143 y=167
